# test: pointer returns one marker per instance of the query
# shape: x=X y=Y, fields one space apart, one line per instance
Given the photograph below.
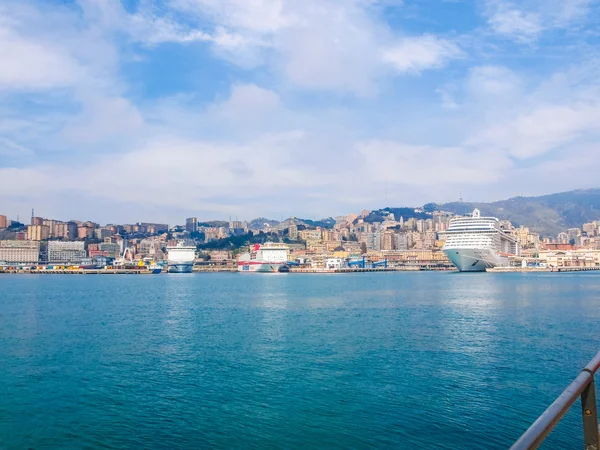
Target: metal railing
x=582 y=386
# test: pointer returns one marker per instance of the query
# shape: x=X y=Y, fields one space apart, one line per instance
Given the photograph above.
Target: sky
x=121 y=111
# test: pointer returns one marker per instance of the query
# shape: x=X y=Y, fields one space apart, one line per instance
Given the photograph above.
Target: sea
x=423 y=360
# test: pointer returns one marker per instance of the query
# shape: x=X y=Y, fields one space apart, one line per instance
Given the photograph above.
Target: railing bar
x=535 y=435
x=594 y=364
x=589 y=413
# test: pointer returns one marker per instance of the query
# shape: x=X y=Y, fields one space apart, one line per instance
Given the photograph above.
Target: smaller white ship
x=269 y=257
x=181 y=257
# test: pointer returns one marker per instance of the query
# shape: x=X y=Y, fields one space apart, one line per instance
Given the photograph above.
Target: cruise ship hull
x=475 y=260
x=181 y=267
x=244 y=266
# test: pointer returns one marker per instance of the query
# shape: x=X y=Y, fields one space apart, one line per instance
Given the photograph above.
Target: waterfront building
x=38 y=232
x=414 y=257
x=220 y=255
x=336 y=263
x=3 y=222
x=191 y=224
x=66 y=252
x=570 y=258
x=37 y=221
x=20 y=252
x=106 y=249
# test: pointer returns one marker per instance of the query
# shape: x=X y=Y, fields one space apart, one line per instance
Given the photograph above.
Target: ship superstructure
x=475 y=243
x=181 y=257
x=268 y=257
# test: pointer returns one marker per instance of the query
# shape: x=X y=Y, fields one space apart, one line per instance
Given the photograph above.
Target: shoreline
x=143 y=271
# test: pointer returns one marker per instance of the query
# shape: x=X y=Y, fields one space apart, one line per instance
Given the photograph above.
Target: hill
x=547 y=215
x=260 y=222
x=379 y=215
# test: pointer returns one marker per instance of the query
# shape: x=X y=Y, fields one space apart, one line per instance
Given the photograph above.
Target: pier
x=543 y=269
x=140 y=271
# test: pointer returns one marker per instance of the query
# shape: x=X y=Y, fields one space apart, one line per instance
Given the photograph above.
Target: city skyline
x=148 y=110
x=583 y=196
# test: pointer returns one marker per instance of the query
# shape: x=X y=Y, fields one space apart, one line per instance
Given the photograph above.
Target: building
x=52 y=226
x=61 y=252
x=110 y=249
x=151 y=247
x=66 y=230
x=3 y=222
x=573 y=258
x=311 y=235
x=293 y=232
x=191 y=224
x=220 y=255
x=20 y=252
x=102 y=233
x=84 y=232
x=38 y=232
x=37 y=221
x=151 y=228
x=336 y=263
x=590 y=229
x=401 y=241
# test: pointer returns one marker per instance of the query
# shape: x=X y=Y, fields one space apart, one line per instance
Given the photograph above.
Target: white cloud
x=494 y=81
x=247 y=102
x=423 y=165
x=314 y=44
x=103 y=119
x=525 y=21
x=545 y=128
x=30 y=64
x=415 y=54
x=522 y=25
x=260 y=16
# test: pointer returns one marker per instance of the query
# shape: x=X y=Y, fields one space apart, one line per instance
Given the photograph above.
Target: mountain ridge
x=546 y=214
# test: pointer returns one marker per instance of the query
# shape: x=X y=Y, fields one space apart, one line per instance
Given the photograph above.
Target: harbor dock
x=542 y=269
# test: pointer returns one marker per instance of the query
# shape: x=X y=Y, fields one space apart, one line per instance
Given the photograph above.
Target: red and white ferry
x=269 y=257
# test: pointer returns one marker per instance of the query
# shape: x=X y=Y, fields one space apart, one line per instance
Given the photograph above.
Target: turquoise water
x=396 y=360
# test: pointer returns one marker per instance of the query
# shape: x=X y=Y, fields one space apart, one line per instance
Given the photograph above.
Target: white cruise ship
x=269 y=257
x=476 y=243
x=181 y=257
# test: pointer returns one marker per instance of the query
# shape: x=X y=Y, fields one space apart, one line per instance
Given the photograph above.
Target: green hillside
x=547 y=215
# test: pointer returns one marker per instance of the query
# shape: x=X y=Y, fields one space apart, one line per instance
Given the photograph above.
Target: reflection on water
x=292 y=361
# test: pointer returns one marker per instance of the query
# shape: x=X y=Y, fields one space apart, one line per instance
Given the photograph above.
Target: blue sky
x=140 y=110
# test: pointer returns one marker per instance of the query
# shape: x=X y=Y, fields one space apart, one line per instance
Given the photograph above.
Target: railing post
x=589 y=411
